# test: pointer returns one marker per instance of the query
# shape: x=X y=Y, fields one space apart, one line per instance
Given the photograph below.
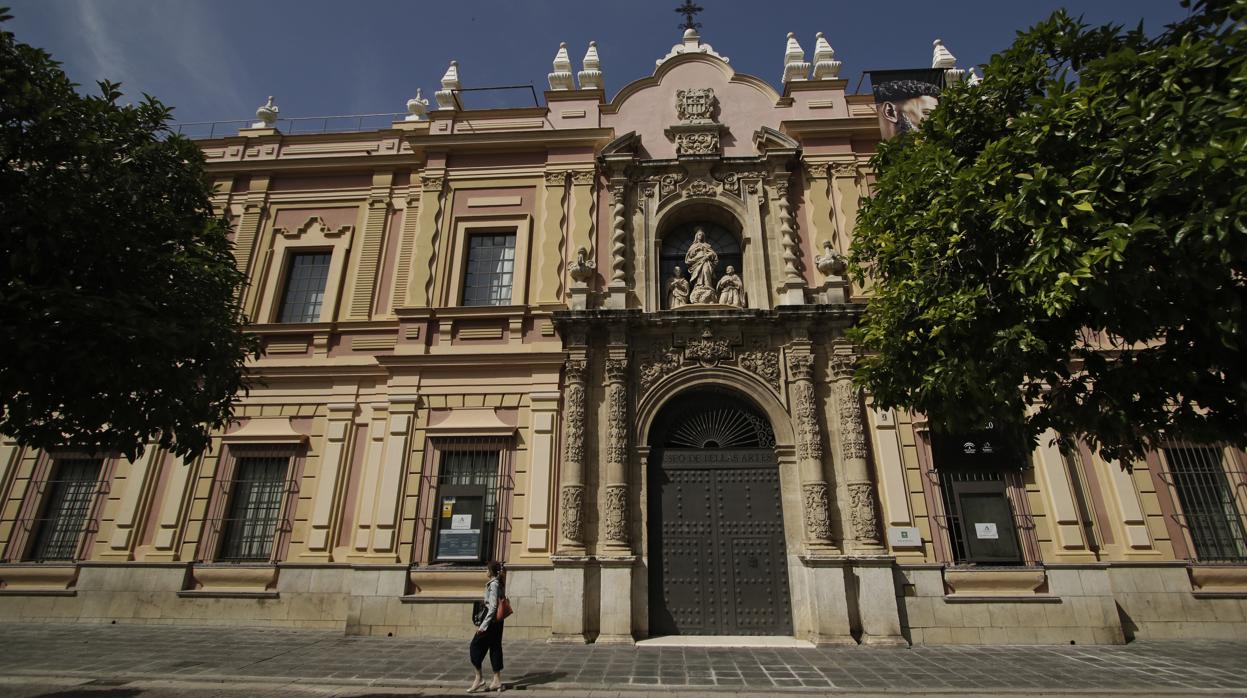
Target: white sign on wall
x=986 y=531
x=461 y=522
x=904 y=537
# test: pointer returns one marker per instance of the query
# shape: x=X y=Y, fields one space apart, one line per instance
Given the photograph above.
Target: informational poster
x=460 y=525
x=904 y=537
x=986 y=531
x=904 y=98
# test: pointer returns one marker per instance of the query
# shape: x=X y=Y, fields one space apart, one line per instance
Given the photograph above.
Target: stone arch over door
x=652 y=427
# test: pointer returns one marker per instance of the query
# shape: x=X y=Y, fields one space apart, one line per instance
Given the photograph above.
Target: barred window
x=255 y=502
x=70 y=494
x=1211 y=515
x=465 y=501
x=982 y=526
x=490 y=268
x=305 y=287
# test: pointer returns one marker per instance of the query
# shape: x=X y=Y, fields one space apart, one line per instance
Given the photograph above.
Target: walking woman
x=488 y=636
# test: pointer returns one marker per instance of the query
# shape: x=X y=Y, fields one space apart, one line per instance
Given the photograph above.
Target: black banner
x=905 y=97
x=990 y=448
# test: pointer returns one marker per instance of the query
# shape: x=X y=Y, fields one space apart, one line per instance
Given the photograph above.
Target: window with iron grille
x=1212 y=517
x=490 y=267
x=69 y=497
x=472 y=471
x=305 y=287
x=982 y=526
x=249 y=527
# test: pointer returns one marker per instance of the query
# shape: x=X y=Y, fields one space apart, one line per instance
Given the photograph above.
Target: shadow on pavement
x=534 y=679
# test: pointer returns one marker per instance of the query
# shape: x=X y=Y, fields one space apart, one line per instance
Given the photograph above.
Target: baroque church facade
x=603 y=341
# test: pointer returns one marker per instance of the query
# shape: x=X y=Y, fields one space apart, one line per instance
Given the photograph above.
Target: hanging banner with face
x=904 y=98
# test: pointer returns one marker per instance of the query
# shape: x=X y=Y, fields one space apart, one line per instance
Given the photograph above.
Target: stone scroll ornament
x=817 y=511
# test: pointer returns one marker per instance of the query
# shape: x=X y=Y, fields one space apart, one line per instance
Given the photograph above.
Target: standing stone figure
x=731 y=291
x=701 y=260
x=677 y=290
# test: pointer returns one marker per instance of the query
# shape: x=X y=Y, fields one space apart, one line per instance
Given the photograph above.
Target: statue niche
x=711 y=255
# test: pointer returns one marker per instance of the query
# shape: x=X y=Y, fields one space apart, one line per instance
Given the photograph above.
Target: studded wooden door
x=717 y=545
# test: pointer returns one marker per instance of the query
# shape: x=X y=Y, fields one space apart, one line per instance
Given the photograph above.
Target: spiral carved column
x=572 y=489
x=863 y=512
x=815 y=492
x=617 y=287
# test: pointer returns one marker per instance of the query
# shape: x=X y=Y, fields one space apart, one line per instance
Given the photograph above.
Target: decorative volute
x=561 y=78
x=943 y=59
x=417 y=107
x=795 y=67
x=450 y=83
x=826 y=67
x=591 y=77
x=267 y=114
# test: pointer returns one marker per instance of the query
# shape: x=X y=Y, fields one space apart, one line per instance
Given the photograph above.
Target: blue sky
x=218 y=59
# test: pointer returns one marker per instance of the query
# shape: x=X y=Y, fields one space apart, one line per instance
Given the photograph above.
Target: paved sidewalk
x=306 y=659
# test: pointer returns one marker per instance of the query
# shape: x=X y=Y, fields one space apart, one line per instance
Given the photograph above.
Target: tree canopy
x=119 y=324
x=1064 y=244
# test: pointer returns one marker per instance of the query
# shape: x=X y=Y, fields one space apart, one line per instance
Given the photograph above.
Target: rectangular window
x=980 y=519
x=249 y=527
x=464 y=501
x=305 y=287
x=490 y=267
x=68 y=500
x=1209 y=511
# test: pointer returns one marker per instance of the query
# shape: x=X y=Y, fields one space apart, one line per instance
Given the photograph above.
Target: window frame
x=313 y=235
x=221 y=500
x=27 y=527
x=429 y=497
x=467 y=267
x=453 y=276
x=1234 y=478
x=287 y=273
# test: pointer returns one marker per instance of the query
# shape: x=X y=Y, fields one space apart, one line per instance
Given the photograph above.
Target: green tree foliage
x=118 y=318
x=1070 y=235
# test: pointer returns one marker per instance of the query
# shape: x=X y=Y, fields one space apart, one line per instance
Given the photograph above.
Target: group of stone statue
x=700 y=287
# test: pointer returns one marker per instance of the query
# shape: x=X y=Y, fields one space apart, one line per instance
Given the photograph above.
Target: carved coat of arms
x=695 y=106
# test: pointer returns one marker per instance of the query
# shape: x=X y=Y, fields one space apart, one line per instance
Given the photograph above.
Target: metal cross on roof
x=689 y=10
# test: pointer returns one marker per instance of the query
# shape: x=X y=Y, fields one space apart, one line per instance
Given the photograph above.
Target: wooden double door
x=716 y=546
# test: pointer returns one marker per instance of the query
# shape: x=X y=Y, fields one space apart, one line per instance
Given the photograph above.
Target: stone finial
x=561 y=78
x=450 y=82
x=591 y=77
x=691 y=43
x=417 y=107
x=944 y=59
x=973 y=78
x=826 y=67
x=830 y=263
x=795 y=67
x=267 y=115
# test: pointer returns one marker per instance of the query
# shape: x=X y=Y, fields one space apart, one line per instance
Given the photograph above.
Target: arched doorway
x=716 y=530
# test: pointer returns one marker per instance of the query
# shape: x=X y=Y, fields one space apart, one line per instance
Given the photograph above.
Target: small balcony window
x=490 y=269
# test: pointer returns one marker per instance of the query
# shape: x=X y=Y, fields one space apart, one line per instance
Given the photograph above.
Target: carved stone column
x=615 y=521
x=794 y=284
x=572 y=486
x=815 y=492
x=617 y=289
x=863 y=512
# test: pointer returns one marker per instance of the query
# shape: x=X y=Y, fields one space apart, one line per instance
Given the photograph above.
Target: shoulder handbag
x=504 y=608
x=478 y=612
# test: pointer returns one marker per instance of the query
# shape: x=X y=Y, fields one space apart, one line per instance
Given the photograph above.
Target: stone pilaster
x=615 y=522
x=815 y=493
x=863 y=513
x=617 y=290
x=572 y=484
x=333 y=465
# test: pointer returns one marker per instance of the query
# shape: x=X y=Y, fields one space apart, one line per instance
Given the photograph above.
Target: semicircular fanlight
x=722 y=428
